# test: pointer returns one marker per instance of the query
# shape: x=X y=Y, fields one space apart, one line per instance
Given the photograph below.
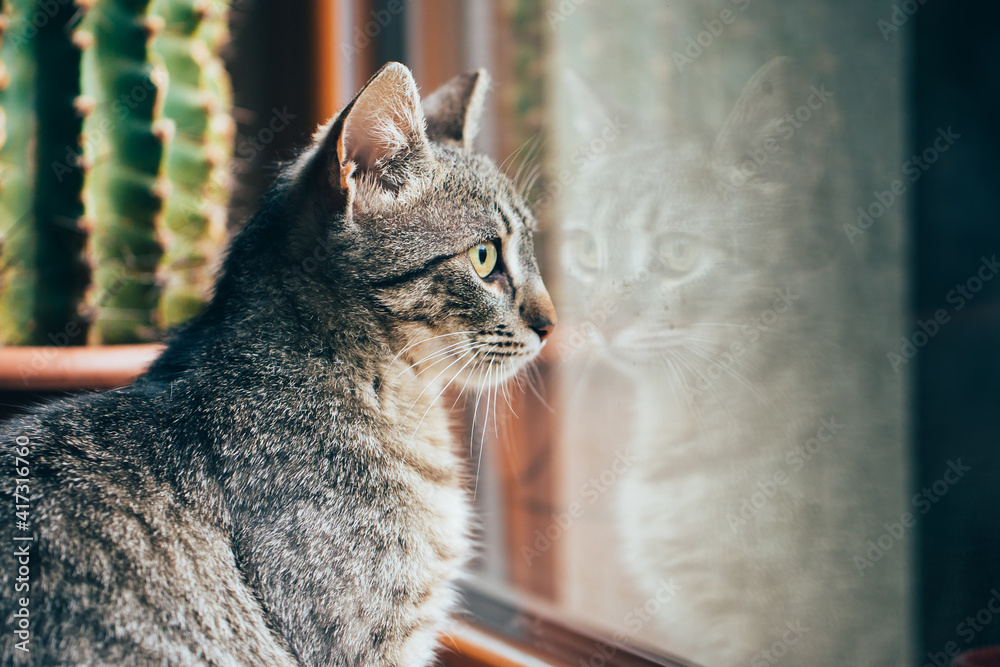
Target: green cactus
x=125 y=188
x=59 y=177
x=115 y=138
x=18 y=234
x=197 y=102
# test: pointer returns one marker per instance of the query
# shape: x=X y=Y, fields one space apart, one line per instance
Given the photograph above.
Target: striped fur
x=280 y=487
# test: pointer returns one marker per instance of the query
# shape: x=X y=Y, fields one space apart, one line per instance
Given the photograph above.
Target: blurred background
x=766 y=431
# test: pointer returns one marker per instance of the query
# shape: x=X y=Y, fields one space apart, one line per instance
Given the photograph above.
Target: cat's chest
x=421 y=498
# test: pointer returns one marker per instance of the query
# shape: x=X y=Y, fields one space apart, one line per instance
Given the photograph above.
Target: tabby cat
x=280 y=488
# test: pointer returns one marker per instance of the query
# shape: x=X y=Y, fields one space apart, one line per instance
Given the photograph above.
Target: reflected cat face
x=673 y=256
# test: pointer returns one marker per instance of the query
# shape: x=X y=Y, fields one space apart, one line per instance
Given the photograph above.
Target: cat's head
x=431 y=237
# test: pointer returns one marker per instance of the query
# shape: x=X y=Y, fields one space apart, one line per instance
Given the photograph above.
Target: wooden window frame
x=502 y=630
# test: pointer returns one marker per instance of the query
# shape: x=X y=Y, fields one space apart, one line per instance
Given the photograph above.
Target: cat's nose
x=542 y=328
x=538 y=312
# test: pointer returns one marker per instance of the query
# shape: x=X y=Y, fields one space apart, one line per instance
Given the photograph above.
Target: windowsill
x=501 y=630
x=34 y=369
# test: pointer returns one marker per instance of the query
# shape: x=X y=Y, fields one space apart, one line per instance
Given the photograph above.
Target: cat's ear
x=454 y=110
x=584 y=114
x=777 y=131
x=377 y=149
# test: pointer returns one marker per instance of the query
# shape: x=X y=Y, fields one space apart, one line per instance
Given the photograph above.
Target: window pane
x=730 y=473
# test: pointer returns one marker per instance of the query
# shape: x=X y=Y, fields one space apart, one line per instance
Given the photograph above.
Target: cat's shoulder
x=90 y=440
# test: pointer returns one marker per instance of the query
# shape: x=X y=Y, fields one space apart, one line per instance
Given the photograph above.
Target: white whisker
x=426 y=340
x=440 y=393
x=431 y=383
x=445 y=353
x=534 y=373
x=505 y=396
x=486 y=423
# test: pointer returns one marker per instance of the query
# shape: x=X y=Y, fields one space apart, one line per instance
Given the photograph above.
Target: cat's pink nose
x=538 y=312
x=542 y=327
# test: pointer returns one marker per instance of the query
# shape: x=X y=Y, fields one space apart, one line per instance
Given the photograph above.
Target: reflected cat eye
x=680 y=252
x=583 y=250
x=484 y=258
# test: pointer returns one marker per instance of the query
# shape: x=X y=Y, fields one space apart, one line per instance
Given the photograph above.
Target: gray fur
x=279 y=488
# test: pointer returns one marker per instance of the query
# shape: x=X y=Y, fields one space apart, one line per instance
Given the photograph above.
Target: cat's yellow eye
x=484 y=258
x=680 y=252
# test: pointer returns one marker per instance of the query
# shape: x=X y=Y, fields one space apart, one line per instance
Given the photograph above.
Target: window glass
x=727 y=466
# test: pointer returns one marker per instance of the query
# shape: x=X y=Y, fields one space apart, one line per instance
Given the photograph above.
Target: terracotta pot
x=37 y=369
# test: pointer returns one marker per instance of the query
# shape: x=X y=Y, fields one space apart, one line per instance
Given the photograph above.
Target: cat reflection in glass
x=716 y=287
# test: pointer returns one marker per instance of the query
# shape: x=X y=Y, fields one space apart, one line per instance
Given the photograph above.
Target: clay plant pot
x=33 y=375
x=49 y=369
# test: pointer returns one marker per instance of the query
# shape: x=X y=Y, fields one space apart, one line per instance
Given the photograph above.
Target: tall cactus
x=197 y=102
x=125 y=189
x=115 y=138
x=18 y=234
x=58 y=202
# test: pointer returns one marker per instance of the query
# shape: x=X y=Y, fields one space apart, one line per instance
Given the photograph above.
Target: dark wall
x=272 y=58
x=957 y=394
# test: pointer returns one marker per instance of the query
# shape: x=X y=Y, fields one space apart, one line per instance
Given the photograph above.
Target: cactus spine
x=18 y=235
x=124 y=190
x=197 y=102
x=115 y=138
